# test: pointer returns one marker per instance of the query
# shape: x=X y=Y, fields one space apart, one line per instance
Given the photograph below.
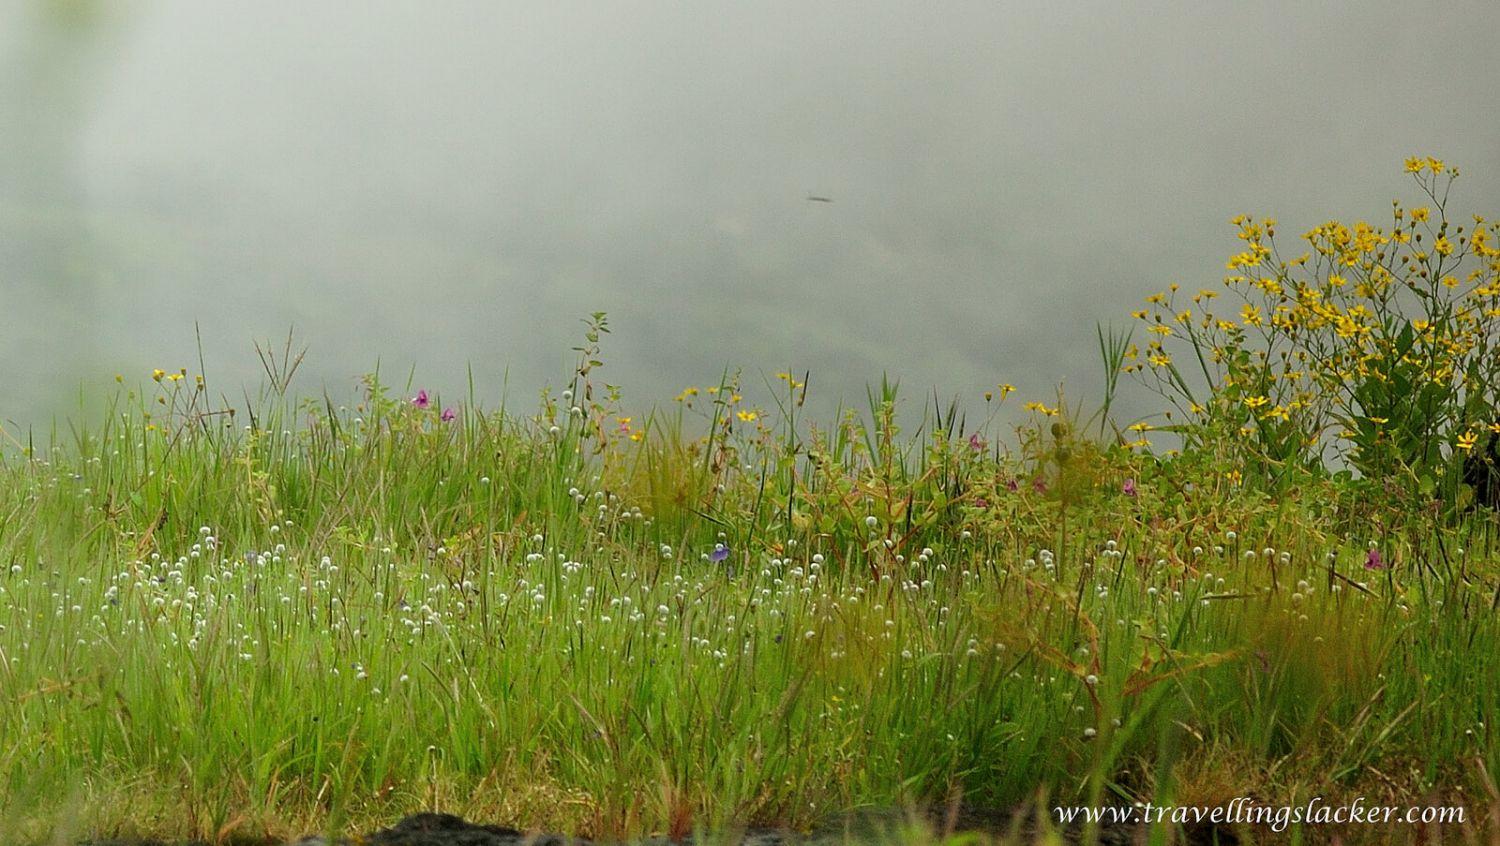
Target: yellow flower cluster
x=1368 y=316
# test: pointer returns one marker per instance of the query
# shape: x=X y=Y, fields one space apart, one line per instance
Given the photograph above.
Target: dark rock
x=446 y=830
x=1481 y=470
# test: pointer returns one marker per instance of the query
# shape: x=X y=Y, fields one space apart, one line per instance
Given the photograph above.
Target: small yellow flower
x=1495 y=427
x=1419 y=215
x=1466 y=440
x=1256 y=402
x=1443 y=247
x=1415 y=164
x=157 y=374
x=746 y=415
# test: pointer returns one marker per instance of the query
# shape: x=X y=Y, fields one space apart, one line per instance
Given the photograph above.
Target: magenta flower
x=448 y=414
x=1129 y=488
x=1373 y=561
x=1039 y=485
x=1011 y=485
x=975 y=443
x=420 y=400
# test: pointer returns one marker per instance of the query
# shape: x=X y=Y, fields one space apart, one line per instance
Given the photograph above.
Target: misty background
x=452 y=186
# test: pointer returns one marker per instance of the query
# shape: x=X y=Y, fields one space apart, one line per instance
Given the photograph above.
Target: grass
x=299 y=617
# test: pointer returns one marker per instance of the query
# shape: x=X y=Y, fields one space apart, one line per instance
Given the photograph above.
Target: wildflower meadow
x=232 y=617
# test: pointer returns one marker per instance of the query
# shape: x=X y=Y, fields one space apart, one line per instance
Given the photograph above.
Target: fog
x=448 y=188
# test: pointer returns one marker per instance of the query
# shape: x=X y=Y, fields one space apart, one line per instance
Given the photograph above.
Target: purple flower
x=1373 y=561
x=720 y=553
x=975 y=443
x=1128 y=488
x=1011 y=485
x=1039 y=485
x=981 y=502
x=420 y=400
x=448 y=414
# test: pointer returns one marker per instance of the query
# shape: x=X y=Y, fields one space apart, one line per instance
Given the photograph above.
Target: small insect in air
x=814 y=198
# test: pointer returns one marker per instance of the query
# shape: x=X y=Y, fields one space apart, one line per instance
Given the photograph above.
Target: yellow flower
x=1415 y=164
x=746 y=416
x=1495 y=427
x=1435 y=165
x=1420 y=215
x=1443 y=247
x=1233 y=476
x=1256 y=402
x=1466 y=441
x=157 y=374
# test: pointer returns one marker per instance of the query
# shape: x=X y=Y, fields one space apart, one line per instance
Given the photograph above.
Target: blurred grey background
x=441 y=186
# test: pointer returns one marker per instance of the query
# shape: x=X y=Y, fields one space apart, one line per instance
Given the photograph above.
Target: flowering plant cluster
x=1376 y=346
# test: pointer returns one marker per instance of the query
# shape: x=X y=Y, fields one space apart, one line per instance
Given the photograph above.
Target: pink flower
x=1039 y=485
x=1373 y=561
x=1011 y=485
x=420 y=400
x=975 y=443
x=1128 y=488
x=448 y=415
